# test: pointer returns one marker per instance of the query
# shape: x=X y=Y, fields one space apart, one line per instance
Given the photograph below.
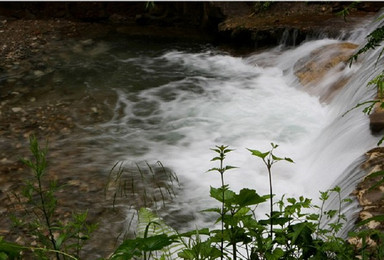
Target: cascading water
x=172 y=102
x=174 y=105
x=211 y=98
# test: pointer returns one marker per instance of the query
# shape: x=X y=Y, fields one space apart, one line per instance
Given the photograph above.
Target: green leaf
x=249 y=197
x=301 y=234
x=380 y=141
x=156 y=242
x=127 y=250
x=228 y=167
x=3 y=256
x=258 y=153
x=186 y=254
x=217 y=210
x=376 y=174
x=324 y=195
x=203 y=231
x=336 y=189
x=60 y=240
x=331 y=213
x=214 y=169
x=277 y=254
x=276 y=158
x=134 y=247
x=10 y=250
x=281 y=221
x=217 y=193
x=274 y=146
x=228 y=150
x=288 y=160
x=314 y=217
x=291 y=200
x=242 y=212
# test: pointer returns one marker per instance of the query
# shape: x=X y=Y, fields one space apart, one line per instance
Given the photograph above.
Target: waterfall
x=176 y=101
x=252 y=101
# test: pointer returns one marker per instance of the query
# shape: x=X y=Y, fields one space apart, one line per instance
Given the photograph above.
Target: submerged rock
x=312 y=69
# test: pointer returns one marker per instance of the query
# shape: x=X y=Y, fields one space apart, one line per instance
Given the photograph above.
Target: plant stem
x=271 y=199
x=222 y=205
x=47 y=220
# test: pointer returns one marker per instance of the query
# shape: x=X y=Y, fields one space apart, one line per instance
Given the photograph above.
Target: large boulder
x=312 y=69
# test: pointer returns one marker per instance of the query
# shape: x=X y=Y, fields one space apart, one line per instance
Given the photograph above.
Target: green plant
x=292 y=233
x=9 y=250
x=374 y=40
x=262 y=6
x=221 y=151
x=292 y=229
x=269 y=159
x=153 y=238
x=40 y=218
x=347 y=10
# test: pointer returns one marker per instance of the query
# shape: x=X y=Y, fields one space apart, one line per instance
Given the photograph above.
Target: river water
x=146 y=100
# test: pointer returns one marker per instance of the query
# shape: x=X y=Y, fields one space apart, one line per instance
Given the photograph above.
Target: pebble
x=87 y=42
x=65 y=131
x=94 y=109
x=32 y=99
x=17 y=109
x=38 y=73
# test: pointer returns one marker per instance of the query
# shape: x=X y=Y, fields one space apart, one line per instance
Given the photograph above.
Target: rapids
x=176 y=101
x=173 y=101
x=191 y=100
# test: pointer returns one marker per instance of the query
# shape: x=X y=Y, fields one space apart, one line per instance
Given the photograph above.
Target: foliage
x=39 y=217
x=295 y=232
x=293 y=229
x=153 y=235
x=221 y=151
x=269 y=159
x=374 y=40
x=9 y=250
x=347 y=10
x=262 y=6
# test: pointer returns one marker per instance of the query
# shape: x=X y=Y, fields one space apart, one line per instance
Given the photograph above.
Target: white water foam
x=213 y=98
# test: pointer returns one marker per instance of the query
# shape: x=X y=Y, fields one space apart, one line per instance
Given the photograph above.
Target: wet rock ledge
x=289 y=22
x=370 y=195
x=251 y=24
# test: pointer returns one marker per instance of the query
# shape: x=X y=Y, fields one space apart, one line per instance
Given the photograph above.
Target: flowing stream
x=175 y=104
x=173 y=101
